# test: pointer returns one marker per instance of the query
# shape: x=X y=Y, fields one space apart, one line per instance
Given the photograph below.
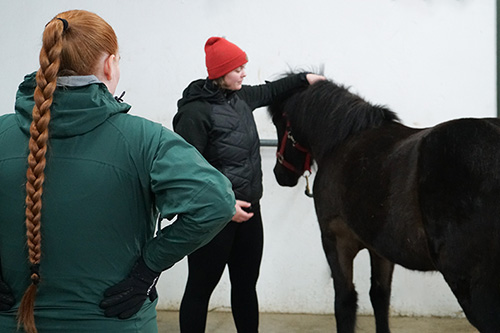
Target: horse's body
x=427 y=199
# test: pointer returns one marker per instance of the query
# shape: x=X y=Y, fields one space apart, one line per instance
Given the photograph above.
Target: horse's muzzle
x=285 y=177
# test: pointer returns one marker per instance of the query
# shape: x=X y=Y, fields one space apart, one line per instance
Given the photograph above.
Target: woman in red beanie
x=215 y=116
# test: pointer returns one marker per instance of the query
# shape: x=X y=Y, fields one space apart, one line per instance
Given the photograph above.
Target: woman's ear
x=109 y=73
x=109 y=67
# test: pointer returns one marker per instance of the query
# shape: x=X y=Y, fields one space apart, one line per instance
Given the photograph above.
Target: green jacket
x=108 y=175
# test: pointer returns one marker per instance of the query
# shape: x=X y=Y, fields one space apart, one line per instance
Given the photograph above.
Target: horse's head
x=293 y=159
x=315 y=120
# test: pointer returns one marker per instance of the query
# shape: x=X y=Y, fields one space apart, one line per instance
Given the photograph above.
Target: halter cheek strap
x=280 y=154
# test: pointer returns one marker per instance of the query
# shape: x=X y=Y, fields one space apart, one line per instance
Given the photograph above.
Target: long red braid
x=72 y=44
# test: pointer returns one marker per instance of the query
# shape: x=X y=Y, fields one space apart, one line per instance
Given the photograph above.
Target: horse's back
x=459 y=192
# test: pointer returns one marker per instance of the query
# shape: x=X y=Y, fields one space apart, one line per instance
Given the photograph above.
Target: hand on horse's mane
x=313 y=78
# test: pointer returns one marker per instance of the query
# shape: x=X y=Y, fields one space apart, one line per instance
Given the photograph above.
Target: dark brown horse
x=426 y=199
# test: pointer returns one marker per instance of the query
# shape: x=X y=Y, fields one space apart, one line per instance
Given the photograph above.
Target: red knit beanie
x=222 y=56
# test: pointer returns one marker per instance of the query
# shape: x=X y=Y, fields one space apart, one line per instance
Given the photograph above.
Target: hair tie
x=65 y=23
x=35 y=273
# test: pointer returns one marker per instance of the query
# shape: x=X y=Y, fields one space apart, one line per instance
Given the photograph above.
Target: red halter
x=281 y=157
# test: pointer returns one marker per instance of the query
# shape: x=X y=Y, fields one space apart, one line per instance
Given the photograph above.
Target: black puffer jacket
x=221 y=126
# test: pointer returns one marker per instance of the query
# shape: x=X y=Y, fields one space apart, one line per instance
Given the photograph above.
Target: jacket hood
x=80 y=104
x=202 y=89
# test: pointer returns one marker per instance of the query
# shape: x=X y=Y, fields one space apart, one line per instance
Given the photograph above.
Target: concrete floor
x=222 y=322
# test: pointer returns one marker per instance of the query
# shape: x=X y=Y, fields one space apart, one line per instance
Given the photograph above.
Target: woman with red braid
x=81 y=186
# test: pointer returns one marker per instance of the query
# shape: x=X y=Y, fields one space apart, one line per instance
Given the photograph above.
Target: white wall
x=428 y=60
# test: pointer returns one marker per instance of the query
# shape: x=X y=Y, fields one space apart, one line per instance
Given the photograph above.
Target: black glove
x=6 y=297
x=126 y=298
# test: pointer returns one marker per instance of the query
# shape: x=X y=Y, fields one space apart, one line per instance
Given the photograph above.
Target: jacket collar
x=80 y=104
x=77 y=81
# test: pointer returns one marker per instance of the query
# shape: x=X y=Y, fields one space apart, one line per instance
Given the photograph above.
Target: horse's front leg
x=380 y=291
x=340 y=250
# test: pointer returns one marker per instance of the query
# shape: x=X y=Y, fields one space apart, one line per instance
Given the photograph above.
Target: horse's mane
x=330 y=111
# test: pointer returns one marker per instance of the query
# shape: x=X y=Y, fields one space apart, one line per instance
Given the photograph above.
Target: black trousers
x=239 y=245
